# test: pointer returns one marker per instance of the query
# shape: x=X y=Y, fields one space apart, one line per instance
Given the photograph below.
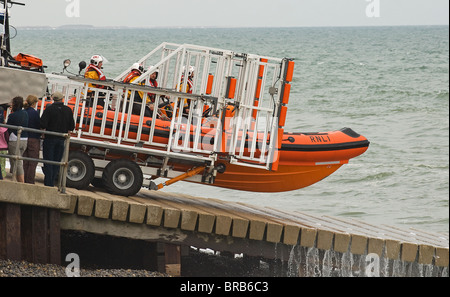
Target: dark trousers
x=53 y=150
x=29 y=167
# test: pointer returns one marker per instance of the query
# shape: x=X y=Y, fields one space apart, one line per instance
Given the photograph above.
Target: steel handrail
x=63 y=164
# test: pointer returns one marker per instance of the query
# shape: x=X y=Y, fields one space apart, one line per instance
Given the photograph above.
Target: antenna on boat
x=5 y=46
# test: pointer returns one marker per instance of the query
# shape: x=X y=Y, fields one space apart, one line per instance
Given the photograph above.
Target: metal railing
x=256 y=97
x=242 y=92
x=63 y=163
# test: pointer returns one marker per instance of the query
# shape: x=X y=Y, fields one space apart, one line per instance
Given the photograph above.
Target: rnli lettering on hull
x=320 y=138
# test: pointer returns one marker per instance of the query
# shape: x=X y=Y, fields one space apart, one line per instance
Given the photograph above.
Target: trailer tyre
x=122 y=177
x=80 y=170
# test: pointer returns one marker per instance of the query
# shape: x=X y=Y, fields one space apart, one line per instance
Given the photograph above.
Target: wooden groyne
x=296 y=240
x=30 y=222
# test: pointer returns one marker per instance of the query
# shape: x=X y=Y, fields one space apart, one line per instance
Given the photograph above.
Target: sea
x=390 y=84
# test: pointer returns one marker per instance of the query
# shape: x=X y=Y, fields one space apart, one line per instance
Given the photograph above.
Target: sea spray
x=346 y=264
x=313 y=263
x=327 y=266
x=294 y=261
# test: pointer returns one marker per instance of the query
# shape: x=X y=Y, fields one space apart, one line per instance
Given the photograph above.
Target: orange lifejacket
x=93 y=72
x=150 y=96
x=189 y=86
x=131 y=76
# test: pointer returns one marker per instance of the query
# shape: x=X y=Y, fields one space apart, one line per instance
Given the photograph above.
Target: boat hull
x=305 y=159
x=286 y=178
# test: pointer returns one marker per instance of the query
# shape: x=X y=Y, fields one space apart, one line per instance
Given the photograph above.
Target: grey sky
x=231 y=13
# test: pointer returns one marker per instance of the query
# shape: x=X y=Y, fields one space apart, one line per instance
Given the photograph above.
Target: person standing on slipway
x=57 y=117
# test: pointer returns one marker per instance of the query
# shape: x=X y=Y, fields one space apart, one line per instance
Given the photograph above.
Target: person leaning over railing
x=57 y=117
x=18 y=117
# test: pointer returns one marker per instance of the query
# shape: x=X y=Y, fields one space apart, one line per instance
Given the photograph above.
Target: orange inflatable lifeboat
x=304 y=158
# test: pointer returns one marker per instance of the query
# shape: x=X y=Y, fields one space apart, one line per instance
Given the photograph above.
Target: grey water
x=390 y=84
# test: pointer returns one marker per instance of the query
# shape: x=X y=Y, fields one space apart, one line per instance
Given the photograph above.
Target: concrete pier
x=296 y=240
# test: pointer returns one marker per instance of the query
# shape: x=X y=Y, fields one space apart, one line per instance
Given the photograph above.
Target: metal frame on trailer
x=247 y=134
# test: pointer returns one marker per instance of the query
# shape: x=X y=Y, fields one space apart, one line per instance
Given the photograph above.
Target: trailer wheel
x=80 y=170
x=122 y=177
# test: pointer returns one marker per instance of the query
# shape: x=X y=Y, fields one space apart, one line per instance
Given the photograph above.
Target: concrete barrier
x=178 y=219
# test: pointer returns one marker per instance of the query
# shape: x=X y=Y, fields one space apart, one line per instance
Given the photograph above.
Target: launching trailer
x=201 y=132
x=216 y=117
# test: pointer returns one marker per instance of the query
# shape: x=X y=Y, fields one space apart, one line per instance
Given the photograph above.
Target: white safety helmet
x=96 y=60
x=191 y=70
x=154 y=71
x=137 y=66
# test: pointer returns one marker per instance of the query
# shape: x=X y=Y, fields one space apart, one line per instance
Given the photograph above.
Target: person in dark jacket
x=2 y=116
x=57 y=117
x=18 y=117
x=2 y=160
x=33 y=145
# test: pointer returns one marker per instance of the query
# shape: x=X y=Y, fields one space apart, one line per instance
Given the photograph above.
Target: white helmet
x=137 y=66
x=154 y=71
x=191 y=70
x=150 y=67
x=96 y=59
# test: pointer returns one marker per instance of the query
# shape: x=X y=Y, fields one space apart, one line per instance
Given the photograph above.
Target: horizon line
x=87 y=26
